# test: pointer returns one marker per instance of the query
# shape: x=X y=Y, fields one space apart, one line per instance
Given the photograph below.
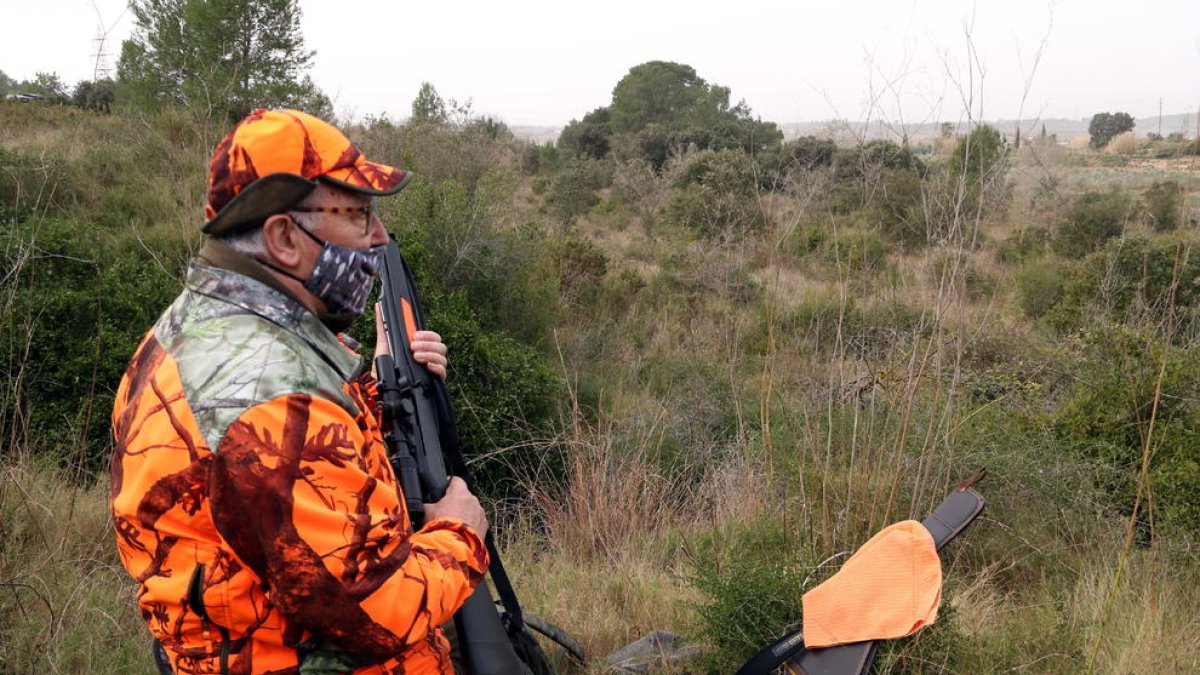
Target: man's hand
x=459 y=503
x=427 y=346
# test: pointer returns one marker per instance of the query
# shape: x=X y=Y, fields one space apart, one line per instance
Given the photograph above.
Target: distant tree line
x=88 y=94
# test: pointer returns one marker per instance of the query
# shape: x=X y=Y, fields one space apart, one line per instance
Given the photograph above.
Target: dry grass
x=1079 y=142
x=1124 y=144
x=1145 y=621
x=66 y=604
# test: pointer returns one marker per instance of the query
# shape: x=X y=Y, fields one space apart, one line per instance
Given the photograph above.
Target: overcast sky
x=543 y=63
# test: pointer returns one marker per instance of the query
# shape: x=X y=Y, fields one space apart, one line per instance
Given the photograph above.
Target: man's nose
x=379 y=233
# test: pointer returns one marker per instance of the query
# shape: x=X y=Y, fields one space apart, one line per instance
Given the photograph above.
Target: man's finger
x=381 y=344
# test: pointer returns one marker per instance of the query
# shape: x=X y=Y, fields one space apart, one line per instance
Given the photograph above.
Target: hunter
x=252 y=495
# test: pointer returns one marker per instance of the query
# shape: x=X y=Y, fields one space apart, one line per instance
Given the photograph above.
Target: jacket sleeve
x=302 y=493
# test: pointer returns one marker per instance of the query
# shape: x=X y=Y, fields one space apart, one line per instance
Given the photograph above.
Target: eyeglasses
x=365 y=211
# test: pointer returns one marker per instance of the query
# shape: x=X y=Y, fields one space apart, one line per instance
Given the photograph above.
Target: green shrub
x=1093 y=219
x=845 y=197
x=1028 y=241
x=799 y=155
x=900 y=205
x=1162 y=202
x=714 y=194
x=1039 y=286
x=572 y=192
x=977 y=171
x=85 y=301
x=874 y=156
x=821 y=319
x=858 y=252
x=636 y=186
x=463 y=151
x=753 y=581
x=978 y=284
x=1129 y=281
x=807 y=152
x=805 y=239
x=581 y=267
x=1106 y=418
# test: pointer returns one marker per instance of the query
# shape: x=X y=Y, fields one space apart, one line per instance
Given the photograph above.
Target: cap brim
x=369 y=178
x=264 y=197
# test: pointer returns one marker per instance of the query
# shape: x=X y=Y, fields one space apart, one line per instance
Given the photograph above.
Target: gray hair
x=250 y=241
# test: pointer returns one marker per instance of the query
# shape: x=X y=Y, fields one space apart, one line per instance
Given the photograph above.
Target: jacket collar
x=279 y=308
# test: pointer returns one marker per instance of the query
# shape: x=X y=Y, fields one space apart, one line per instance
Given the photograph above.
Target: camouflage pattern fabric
x=248 y=455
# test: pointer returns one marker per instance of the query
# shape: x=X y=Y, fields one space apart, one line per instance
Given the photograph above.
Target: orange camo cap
x=274 y=158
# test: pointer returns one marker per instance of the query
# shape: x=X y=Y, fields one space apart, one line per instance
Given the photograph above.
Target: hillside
x=693 y=376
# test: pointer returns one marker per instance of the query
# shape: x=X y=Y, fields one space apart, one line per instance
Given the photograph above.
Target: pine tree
x=428 y=106
x=218 y=57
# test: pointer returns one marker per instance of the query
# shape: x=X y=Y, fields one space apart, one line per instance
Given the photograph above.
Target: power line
x=100 y=63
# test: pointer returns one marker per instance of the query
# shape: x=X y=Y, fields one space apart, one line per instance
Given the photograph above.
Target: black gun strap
x=504 y=587
x=500 y=580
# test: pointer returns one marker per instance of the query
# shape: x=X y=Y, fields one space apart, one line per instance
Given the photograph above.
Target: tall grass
x=746 y=409
x=66 y=603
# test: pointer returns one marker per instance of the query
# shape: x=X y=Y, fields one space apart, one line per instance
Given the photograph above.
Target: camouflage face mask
x=343 y=276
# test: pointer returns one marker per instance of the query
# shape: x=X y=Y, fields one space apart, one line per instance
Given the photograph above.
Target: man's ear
x=282 y=241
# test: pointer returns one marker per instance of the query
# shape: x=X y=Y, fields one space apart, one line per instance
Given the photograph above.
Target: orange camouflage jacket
x=254 y=502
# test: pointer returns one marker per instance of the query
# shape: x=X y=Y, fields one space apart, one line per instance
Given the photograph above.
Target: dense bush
x=1130 y=281
x=1104 y=126
x=1028 y=241
x=865 y=252
x=1093 y=219
x=874 y=156
x=1163 y=202
x=588 y=137
x=807 y=152
x=461 y=149
x=660 y=107
x=581 y=268
x=1040 y=287
x=85 y=300
x=715 y=194
x=752 y=599
x=636 y=185
x=900 y=208
x=573 y=190
x=778 y=166
x=859 y=172
x=1107 y=418
x=977 y=170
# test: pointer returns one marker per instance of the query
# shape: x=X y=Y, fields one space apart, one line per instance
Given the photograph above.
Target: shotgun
x=424 y=448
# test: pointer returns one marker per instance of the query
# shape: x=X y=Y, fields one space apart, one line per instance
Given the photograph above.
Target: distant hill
x=1065 y=129
x=535 y=134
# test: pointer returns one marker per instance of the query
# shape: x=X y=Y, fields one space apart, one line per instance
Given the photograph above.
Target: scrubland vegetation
x=695 y=365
